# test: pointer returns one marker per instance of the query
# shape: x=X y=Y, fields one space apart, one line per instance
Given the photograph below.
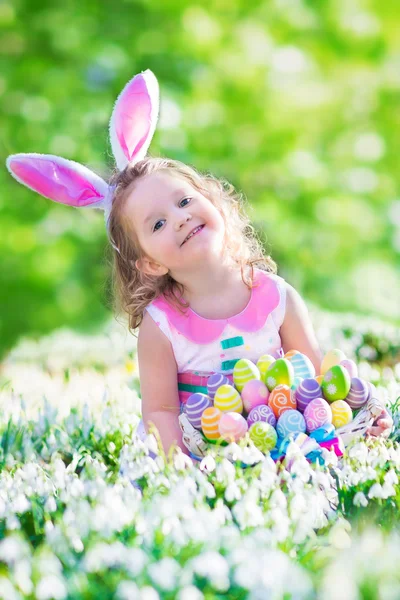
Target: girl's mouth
x=195 y=232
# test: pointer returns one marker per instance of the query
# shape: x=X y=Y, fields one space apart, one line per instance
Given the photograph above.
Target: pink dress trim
x=265 y=297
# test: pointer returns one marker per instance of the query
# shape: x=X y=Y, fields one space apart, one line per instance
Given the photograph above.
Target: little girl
x=188 y=269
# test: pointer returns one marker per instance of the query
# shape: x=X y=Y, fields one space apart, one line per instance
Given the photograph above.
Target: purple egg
x=195 y=406
x=307 y=390
x=350 y=366
x=358 y=394
x=261 y=413
x=214 y=382
x=372 y=392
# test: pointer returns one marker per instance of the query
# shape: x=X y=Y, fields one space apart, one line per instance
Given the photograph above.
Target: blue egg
x=324 y=433
x=302 y=365
x=291 y=421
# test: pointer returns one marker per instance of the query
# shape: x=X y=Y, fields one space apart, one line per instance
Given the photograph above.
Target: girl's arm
x=159 y=383
x=297 y=332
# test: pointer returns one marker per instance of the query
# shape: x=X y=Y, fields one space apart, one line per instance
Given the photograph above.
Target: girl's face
x=163 y=209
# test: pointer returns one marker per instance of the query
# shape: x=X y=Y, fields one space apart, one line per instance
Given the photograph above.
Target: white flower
x=164 y=573
x=51 y=587
x=332 y=389
x=360 y=499
x=271 y=382
x=376 y=491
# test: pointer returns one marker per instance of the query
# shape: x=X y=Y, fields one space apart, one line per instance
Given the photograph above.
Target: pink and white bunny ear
x=134 y=119
x=61 y=180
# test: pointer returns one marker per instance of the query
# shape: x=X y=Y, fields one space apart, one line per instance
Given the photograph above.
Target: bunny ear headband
x=132 y=127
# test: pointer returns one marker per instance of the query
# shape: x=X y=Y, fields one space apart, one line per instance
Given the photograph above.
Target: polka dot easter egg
x=261 y=413
x=358 y=394
x=214 y=382
x=302 y=365
x=292 y=421
x=254 y=393
x=243 y=371
x=332 y=358
x=341 y=413
x=350 y=366
x=195 y=405
x=263 y=364
x=263 y=435
x=227 y=399
x=336 y=383
x=232 y=426
x=281 y=372
x=308 y=390
x=280 y=399
x=210 y=422
x=317 y=413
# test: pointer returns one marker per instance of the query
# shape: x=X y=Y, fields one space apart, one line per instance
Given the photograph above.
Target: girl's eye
x=185 y=199
x=155 y=228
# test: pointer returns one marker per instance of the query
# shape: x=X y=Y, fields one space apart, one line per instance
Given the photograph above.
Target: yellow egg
x=243 y=371
x=319 y=379
x=210 y=423
x=263 y=363
x=332 y=358
x=341 y=413
x=227 y=399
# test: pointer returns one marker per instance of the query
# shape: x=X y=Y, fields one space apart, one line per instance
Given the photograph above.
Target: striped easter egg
x=264 y=363
x=302 y=365
x=263 y=435
x=214 y=382
x=227 y=399
x=209 y=423
x=261 y=413
x=317 y=413
x=244 y=371
x=232 y=426
x=307 y=391
x=292 y=421
x=280 y=399
x=195 y=405
x=358 y=394
x=372 y=391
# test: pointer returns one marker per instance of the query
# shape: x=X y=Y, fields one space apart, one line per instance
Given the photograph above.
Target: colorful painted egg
x=319 y=379
x=351 y=367
x=195 y=406
x=280 y=399
x=332 y=358
x=296 y=382
x=307 y=391
x=254 y=393
x=261 y=413
x=214 y=382
x=209 y=423
x=292 y=421
x=358 y=394
x=263 y=363
x=232 y=426
x=243 y=371
x=372 y=391
x=324 y=433
x=227 y=399
x=302 y=365
x=336 y=383
x=317 y=413
x=281 y=372
x=263 y=435
x=341 y=413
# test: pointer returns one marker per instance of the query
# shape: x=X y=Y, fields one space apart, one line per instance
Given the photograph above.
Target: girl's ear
x=59 y=179
x=134 y=119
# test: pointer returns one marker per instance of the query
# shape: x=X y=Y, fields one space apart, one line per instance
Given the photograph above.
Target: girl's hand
x=382 y=425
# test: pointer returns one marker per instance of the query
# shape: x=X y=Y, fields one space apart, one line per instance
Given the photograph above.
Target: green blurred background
x=296 y=102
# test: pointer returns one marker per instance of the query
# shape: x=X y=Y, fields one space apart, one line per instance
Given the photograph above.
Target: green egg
x=281 y=372
x=263 y=435
x=243 y=371
x=336 y=383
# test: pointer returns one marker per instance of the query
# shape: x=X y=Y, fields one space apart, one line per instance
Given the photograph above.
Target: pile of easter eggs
x=279 y=400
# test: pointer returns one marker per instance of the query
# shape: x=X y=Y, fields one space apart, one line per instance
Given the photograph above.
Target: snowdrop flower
x=360 y=499
x=213 y=567
x=165 y=573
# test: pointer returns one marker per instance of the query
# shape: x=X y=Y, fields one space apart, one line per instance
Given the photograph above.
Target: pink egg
x=358 y=394
x=254 y=393
x=232 y=426
x=350 y=366
x=317 y=413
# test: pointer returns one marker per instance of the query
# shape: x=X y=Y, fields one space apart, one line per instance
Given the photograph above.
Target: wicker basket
x=197 y=446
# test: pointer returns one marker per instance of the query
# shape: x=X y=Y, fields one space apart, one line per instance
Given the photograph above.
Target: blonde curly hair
x=133 y=289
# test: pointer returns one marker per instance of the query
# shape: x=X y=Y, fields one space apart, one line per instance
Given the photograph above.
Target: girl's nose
x=181 y=220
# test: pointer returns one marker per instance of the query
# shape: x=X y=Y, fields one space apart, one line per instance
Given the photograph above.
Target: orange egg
x=210 y=423
x=281 y=399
